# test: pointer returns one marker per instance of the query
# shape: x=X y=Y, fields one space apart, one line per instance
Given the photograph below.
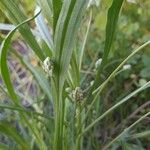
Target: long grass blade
x=12 y=133
x=57 y=4
x=3 y=60
x=16 y=16
x=43 y=29
x=126 y=131
x=112 y=19
x=47 y=10
x=6 y=77
x=69 y=35
x=145 y=86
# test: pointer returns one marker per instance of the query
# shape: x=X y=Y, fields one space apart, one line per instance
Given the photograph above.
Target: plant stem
x=56 y=110
x=78 y=127
x=59 y=114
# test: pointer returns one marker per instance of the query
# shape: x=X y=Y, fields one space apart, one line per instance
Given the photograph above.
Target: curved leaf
x=112 y=19
x=12 y=133
x=57 y=4
x=16 y=16
x=3 y=60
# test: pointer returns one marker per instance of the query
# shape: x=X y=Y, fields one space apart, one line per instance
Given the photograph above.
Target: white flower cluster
x=48 y=66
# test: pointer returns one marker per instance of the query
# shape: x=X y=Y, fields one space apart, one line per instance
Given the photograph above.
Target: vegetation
x=75 y=76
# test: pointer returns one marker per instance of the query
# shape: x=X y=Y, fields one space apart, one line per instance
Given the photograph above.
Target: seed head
x=77 y=94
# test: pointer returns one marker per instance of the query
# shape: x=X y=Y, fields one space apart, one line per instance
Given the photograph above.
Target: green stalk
x=61 y=122
x=126 y=131
x=56 y=111
x=103 y=85
x=79 y=126
x=59 y=108
x=147 y=85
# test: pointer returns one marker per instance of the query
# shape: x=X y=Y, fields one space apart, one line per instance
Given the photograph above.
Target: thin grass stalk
x=147 y=85
x=85 y=40
x=125 y=131
x=103 y=85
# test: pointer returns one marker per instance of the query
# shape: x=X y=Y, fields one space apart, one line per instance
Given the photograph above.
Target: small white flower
x=126 y=67
x=48 y=66
x=98 y=63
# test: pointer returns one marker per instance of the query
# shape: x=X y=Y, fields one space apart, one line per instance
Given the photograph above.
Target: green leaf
x=11 y=132
x=112 y=19
x=61 y=30
x=57 y=4
x=43 y=29
x=47 y=10
x=16 y=16
x=3 y=60
x=65 y=36
x=4 y=147
x=74 y=70
x=6 y=78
